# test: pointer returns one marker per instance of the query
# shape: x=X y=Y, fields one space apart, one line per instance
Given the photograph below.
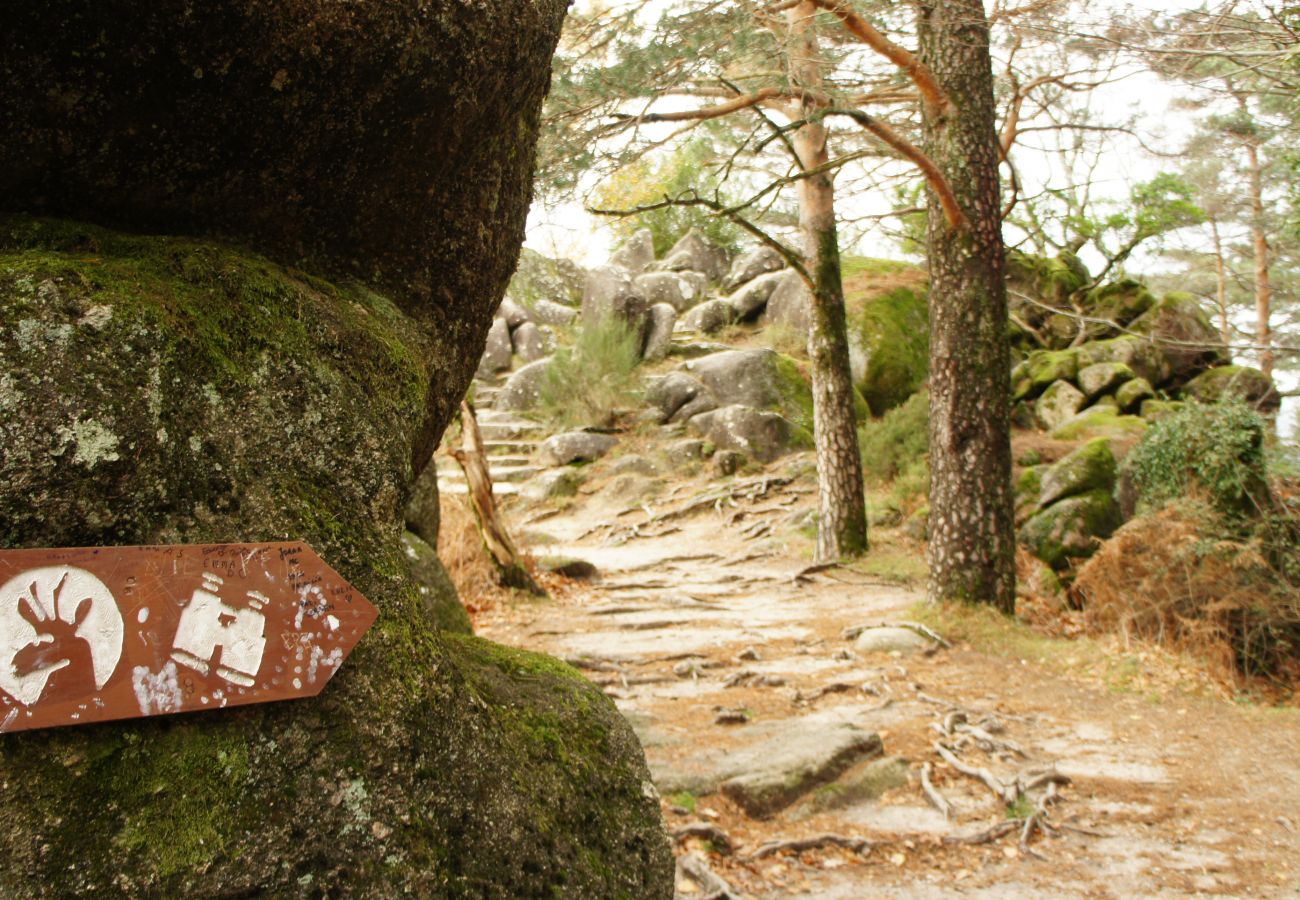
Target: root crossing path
x=801 y=749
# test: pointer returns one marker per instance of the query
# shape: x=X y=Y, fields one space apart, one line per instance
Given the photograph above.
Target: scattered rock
x=523 y=389
x=532 y=342
x=763 y=435
x=1040 y=370
x=631 y=487
x=659 y=331
x=749 y=654
x=903 y=641
x=1141 y=356
x=546 y=312
x=710 y=316
x=552 y=483
x=575 y=446
x=862 y=784
x=1099 y=421
x=1154 y=410
x=634 y=465
x=728 y=462
x=496 y=352
x=1058 y=404
x=637 y=252
x=514 y=313
x=1103 y=378
x=751 y=265
x=1071 y=528
x=751 y=298
x=1131 y=394
x=1089 y=468
x=1182 y=330
x=1244 y=382
x=695 y=253
x=683 y=452
x=790 y=304
x=672 y=288
x=669 y=393
x=731 y=716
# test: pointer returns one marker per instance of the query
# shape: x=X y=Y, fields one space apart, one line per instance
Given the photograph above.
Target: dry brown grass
x=461 y=550
x=1169 y=578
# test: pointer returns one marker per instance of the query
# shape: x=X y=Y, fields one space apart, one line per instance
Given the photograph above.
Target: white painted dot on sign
x=297 y=684
x=143 y=615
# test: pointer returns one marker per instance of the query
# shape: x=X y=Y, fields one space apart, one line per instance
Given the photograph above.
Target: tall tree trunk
x=842 y=519
x=972 y=540
x=1220 y=282
x=1263 y=291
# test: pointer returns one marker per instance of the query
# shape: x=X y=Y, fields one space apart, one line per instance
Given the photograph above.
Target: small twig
x=932 y=794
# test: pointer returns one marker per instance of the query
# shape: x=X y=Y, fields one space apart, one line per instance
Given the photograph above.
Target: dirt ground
x=1163 y=787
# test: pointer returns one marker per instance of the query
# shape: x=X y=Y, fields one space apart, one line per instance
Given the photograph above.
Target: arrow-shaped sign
x=98 y=633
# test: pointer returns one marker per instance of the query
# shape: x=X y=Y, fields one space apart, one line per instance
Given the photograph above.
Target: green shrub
x=1213 y=450
x=893 y=444
x=589 y=381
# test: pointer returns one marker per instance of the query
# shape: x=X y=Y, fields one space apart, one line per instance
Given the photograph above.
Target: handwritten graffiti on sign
x=99 y=633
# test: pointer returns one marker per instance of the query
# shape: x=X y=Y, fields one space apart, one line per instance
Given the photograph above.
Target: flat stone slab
x=779 y=763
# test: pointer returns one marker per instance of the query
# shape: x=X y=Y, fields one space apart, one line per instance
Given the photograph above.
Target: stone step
x=459 y=488
x=497 y=473
x=498 y=449
x=507 y=428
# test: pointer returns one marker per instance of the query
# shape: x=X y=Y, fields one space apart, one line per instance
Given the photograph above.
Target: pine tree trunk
x=1263 y=290
x=1220 y=283
x=842 y=519
x=972 y=541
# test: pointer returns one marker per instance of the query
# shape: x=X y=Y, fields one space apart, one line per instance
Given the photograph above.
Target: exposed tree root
x=798 y=845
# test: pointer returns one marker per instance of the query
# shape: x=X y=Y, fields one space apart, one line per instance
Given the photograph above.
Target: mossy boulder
x=1103 y=378
x=539 y=280
x=1120 y=302
x=1099 y=421
x=1154 y=410
x=441 y=600
x=1242 y=382
x=890 y=347
x=1130 y=395
x=1071 y=528
x=1028 y=487
x=757 y=433
x=1058 y=404
x=1181 y=328
x=1040 y=369
x=1088 y=468
x=1140 y=355
x=761 y=379
x=160 y=390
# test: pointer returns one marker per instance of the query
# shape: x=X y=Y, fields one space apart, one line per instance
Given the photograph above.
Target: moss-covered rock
x=1103 y=378
x=1040 y=369
x=1099 y=421
x=1120 y=302
x=1131 y=394
x=1058 y=404
x=1071 y=528
x=1243 y=382
x=1140 y=355
x=539 y=279
x=1154 y=410
x=890 y=345
x=1181 y=328
x=1089 y=468
x=1029 y=484
x=441 y=600
x=761 y=379
x=167 y=391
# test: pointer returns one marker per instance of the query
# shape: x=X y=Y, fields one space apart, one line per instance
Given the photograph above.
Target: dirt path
x=700 y=616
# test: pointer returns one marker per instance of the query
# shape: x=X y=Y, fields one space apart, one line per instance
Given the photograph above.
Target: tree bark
x=1220 y=283
x=1263 y=291
x=510 y=567
x=842 y=520
x=972 y=543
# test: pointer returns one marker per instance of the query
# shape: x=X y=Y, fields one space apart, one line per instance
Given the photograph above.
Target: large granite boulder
x=1243 y=382
x=760 y=434
x=750 y=299
x=611 y=293
x=659 y=332
x=673 y=288
x=695 y=253
x=523 y=389
x=748 y=266
x=710 y=316
x=759 y=378
x=889 y=346
x=540 y=279
x=790 y=304
x=496 y=349
x=1072 y=528
x=160 y=390
x=1181 y=328
x=636 y=253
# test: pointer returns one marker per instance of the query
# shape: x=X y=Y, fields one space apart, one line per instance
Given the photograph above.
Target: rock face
x=672 y=288
x=751 y=298
x=790 y=304
x=637 y=253
x=659 y=332
x=441 y=601
x=762 y=379
x=710 y=316
x=748 y=266
x=575 y=446
x=496 y=349
x=165 y=391
x=695 y=253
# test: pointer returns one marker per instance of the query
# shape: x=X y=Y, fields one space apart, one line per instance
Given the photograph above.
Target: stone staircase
x=508 y=440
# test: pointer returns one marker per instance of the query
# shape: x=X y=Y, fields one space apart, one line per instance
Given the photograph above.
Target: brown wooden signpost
x=99 y=633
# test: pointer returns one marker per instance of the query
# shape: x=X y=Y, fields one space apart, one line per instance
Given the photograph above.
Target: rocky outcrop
x=637 y=253
x=695 y=253
x=168 y=391
x=889 y=346
x=523 y=389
